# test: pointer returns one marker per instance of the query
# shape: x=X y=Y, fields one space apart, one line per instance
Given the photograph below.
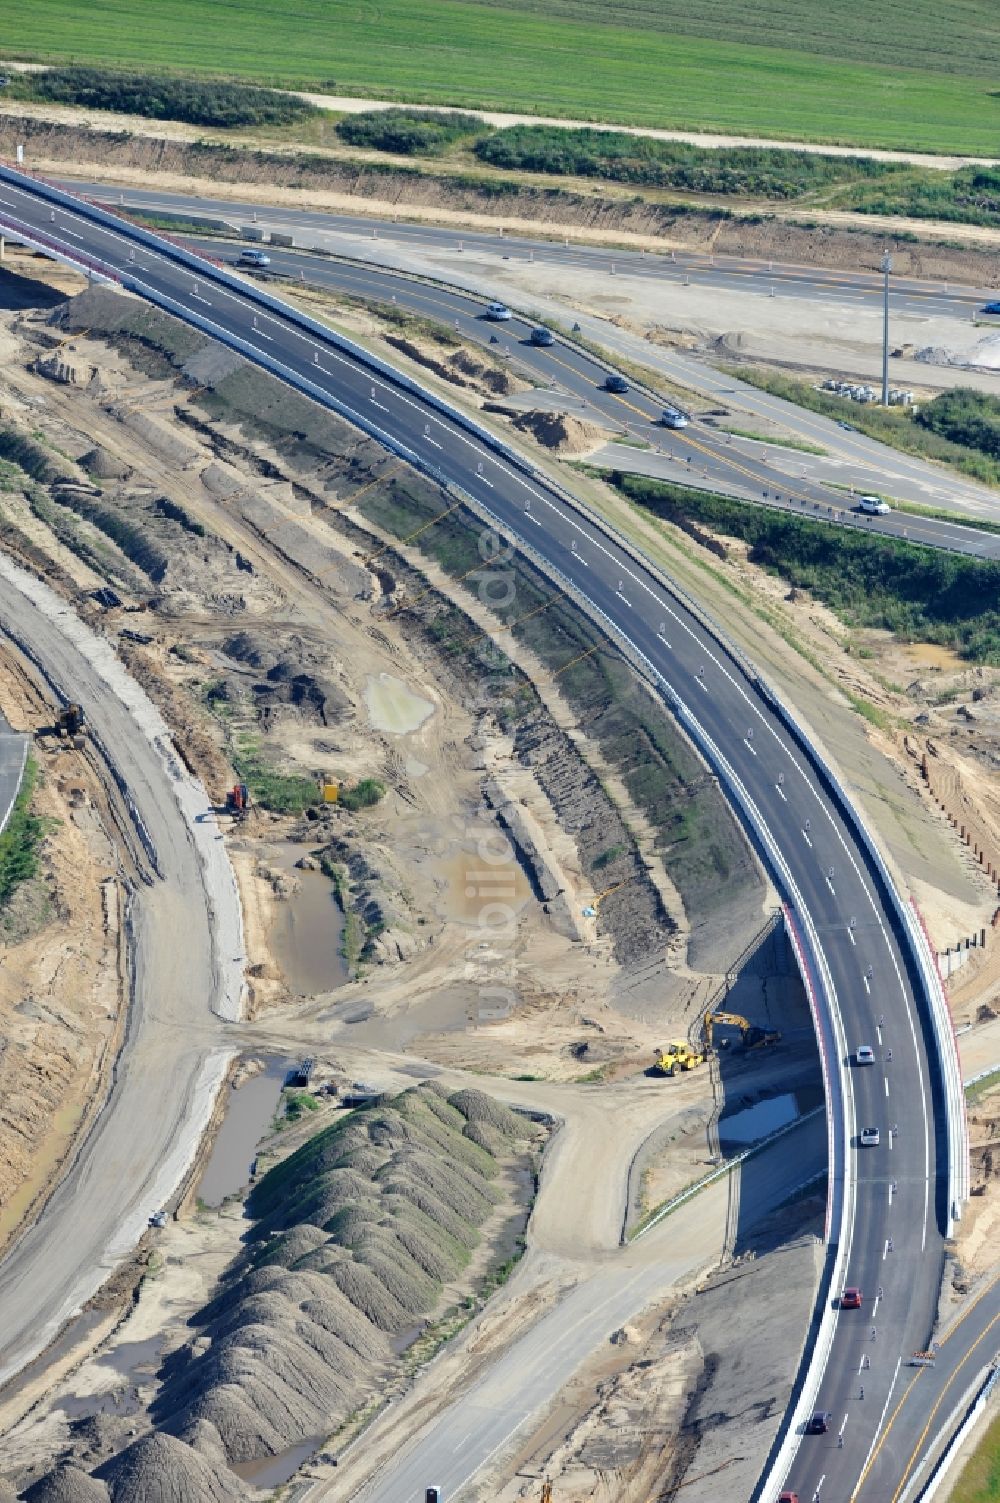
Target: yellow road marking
x=962 y=1318
x=923 y=1434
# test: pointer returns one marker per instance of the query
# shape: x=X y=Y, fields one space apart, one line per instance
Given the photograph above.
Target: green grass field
x=980 y=1478
x=812 y=70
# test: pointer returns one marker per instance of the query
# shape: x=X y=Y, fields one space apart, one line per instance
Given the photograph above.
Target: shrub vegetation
x=409 y=132
x=757 y=172
x=918 y=593
x=21 y=839
x=198 y=101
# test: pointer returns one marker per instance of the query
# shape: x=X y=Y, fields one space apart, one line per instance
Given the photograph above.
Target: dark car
x=617 y=384
x=819 y=1424
x=992 y=308
x=542 y=335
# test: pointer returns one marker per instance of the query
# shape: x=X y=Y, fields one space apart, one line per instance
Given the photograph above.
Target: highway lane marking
x=886 y=1084
x=749 y=746
x=876 y=1444
x=940 y=1400
x=850 y=935
x=336 y=275
x=236 y=295
x=780 y=792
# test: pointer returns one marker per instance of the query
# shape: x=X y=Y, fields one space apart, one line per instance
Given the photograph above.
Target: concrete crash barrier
x=808 y=948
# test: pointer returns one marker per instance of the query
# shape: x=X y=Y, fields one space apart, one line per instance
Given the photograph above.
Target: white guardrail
x=805 y=941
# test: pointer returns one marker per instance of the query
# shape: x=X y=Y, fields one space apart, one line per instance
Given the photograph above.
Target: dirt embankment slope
x=324 y=180
x=61 y=982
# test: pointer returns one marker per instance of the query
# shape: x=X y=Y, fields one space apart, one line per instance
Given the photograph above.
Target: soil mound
x=104 y=465
x=162 y=1469
x=338 y=1262
x=561 y=432
x=67 y=1484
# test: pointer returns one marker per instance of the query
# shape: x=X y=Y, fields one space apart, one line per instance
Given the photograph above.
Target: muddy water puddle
x=932 y=655
x=272 y=1471
x=248 y=1114
x=394 y=707
x=306 y=930
x=477 y=892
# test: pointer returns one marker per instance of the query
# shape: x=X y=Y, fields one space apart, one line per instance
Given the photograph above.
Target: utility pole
x=886 y=268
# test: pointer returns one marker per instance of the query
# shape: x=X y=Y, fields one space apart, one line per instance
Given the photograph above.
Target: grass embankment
x=960 y=428
x=980 y=1478
x=695 y=836
x=762 y=175
x=868 y=581
x=808 y=74
x=21 y=840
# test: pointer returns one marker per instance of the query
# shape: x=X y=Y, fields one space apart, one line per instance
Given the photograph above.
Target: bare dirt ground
x=61 y=984
x=265 y=613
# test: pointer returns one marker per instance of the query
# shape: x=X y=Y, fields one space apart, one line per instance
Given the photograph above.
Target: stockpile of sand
x=103 y=465
x=162 y=1469
x=67 y=1484
x=561 y=432
x=355 y=1236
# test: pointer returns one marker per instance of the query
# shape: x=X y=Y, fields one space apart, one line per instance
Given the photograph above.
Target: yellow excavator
x=677 y=1056
x=752 y=1036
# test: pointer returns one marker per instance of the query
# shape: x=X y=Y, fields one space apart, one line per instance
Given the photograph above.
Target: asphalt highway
x=13 y=754
x=697 y=454
x=899 y=1188
x=909 y=294
x=851 y=458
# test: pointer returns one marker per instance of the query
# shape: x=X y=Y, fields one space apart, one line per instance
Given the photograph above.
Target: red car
x=850 y=1299
x=787 y=1497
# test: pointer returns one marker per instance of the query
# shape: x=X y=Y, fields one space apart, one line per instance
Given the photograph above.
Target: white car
x=251 y=257
x=869 y=1137
x=874 y=506
x=865 y=1054
x=498 y=313
x=673 y=418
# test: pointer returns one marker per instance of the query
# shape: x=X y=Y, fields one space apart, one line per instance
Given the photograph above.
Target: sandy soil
x=61 y=989
x=572 y=1021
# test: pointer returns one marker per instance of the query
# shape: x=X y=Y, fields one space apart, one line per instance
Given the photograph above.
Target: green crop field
x=921 y=75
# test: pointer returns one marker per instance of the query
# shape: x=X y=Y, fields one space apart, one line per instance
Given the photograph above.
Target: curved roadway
x=841 y=913
x=733 y=466
x=173 y=1057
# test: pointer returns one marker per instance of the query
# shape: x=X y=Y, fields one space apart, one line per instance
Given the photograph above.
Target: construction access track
x=185 y=947
x=865 y=961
